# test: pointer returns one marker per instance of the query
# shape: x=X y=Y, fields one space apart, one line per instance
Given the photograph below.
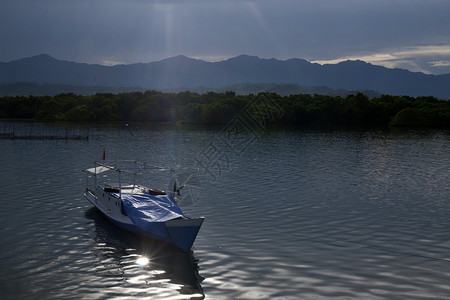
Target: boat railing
x=130 y=167
x=88 y=190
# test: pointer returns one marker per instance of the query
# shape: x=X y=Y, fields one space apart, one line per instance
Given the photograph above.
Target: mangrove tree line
x=219 y=108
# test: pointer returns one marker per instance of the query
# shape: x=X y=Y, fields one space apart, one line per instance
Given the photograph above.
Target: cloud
x=416 y=58
x=107 y=62
x=131 y=31
x=440 y=63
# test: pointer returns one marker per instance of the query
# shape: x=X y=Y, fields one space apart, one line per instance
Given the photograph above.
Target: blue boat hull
x=181 y=231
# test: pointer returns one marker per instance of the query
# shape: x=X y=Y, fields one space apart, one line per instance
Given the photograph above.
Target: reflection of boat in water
x=142 y=210
x=166 y=262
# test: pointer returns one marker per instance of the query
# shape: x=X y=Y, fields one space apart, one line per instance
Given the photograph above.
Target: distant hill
x=51 y=89
x=48 y=89
x=183 y=73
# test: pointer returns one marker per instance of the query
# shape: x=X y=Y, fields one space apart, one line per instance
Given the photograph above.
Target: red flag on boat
x=104 y=156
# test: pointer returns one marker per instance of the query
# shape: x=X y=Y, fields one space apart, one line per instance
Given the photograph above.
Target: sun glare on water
x=142 y=261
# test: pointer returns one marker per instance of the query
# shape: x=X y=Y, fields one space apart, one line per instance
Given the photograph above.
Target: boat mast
x=120 y=185
x=95 y=178
x=87 y=181
x=135 y=173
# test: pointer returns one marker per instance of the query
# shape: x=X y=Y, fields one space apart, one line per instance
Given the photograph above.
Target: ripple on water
x=300 y=214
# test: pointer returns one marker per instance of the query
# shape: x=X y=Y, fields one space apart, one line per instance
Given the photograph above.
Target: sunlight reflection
x=142 y=261
x=139 y=279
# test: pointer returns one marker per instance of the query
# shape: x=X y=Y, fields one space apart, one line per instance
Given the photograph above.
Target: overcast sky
x=410 y=34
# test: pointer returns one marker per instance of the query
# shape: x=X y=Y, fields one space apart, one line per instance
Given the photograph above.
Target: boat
x=140 y=209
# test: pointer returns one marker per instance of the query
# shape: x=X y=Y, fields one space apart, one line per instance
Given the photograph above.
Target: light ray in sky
x=139 y=31
x=265 y=30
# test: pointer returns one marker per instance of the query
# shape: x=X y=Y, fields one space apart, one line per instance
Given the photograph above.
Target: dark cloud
x=127 y=31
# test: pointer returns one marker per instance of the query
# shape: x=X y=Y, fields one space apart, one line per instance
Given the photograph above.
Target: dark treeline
x=219 y=108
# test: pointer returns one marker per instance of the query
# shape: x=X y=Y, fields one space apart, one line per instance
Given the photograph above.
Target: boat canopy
x=97 y=170
x=149 y=212
x=102 y=167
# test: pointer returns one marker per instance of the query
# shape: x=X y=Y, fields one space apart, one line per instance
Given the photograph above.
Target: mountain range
x=184 y=73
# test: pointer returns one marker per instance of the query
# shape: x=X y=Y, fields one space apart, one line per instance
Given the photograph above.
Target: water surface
x=298 y=214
